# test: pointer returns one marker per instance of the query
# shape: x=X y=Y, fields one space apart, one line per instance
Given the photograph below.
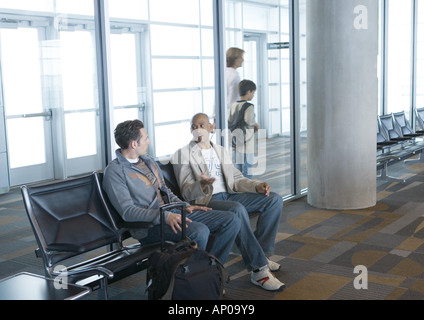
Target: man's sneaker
x=273 y=266
x=265 y=279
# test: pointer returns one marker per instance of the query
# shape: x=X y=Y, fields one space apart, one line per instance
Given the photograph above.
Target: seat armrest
x=86 y=272
x=134 y=225
x=65 y=247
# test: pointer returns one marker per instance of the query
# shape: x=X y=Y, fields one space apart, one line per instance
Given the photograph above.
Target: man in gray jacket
x=206 y=176
x=135 y=185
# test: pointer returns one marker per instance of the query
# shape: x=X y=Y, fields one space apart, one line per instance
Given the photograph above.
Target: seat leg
x=102 y=292
x=384 y=176
x=420 y=159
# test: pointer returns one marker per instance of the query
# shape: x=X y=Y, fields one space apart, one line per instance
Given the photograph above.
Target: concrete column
x=342 y=47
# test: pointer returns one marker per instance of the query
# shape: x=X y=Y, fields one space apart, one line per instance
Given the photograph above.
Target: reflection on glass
x=251 y=25
x=30 y=133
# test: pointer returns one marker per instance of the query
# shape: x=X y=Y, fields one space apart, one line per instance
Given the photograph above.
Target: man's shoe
x=273 y=266
x=265 y=279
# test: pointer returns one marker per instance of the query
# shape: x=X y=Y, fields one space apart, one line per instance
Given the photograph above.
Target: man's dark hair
x=128 y=131
x=246 y=85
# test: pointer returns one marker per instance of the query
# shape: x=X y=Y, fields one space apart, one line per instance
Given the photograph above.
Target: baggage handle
x=169 y=207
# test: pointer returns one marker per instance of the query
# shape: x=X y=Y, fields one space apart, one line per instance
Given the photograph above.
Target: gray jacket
x=189 y=164
x=131 y=192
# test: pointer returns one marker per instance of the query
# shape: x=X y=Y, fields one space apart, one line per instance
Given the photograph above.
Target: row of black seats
x=397 y=140
x=73 y=218
x=394 y=128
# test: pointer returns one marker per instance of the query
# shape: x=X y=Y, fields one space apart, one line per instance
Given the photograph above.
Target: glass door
x=28 y=119
x=79 y=102
x=49 y=93
x=128 y=92
x=252 y=70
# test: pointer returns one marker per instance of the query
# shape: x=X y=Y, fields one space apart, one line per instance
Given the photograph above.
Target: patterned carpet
x=317 y=249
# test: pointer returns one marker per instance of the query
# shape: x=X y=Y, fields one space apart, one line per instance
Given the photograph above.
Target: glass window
x=302 y=87
x=28 y=5
x=75 y=7
x=175 y=106
x=175 y=73
x=420 y=57
x=169 y=66
x=206 y=10
x=171 y=11
x=258 y=27
x=175 y=41
x=124 y=73
x=260 y=17
x=169 y=138
x=78 y=68
x=129 y=9
x=25 y=41
x=18 y=156
x=49 y=81
x=399 y=56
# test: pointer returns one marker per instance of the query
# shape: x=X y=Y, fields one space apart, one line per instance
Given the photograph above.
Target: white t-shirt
x=214 y=167
x=233 y=80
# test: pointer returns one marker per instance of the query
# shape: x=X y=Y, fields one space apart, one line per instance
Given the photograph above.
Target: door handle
x=47 y=114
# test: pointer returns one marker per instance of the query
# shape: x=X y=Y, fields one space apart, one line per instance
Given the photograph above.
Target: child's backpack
x=184 y=272
x=238 y=122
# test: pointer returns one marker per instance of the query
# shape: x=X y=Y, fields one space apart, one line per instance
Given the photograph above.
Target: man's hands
x=205 y=181
x=191 y=209
x=263 y=188
x=174 y=219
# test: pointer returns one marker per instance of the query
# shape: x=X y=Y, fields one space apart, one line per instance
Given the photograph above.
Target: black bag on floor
x=184 y=272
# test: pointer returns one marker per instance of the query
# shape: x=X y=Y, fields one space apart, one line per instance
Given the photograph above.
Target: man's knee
x=238 y=209
x=199 y=233
x=235 y=223
x=276 y=199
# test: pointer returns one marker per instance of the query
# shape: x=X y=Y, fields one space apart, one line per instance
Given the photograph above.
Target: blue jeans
x=254 y=246
x=223 y=225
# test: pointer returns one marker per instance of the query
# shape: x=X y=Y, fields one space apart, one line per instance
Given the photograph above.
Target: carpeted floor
x=317 y=249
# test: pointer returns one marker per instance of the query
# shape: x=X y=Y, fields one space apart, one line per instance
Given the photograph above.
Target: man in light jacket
x=207 y=176
x=135 y=185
